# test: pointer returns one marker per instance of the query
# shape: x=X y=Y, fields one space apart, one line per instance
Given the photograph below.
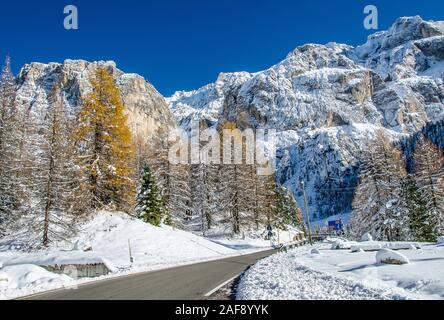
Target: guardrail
x=292 y=245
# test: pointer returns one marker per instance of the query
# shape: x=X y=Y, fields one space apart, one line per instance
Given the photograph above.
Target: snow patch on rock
x=366 y=237
x=387 y=256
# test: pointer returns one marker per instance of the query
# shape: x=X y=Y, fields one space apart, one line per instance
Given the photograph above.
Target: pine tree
x=150 y=206
x=286 y=210
x=429 y=163
x=108 y=152
x=420 y=223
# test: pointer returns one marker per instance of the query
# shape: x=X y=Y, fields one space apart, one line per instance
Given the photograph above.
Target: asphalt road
x=190 y=282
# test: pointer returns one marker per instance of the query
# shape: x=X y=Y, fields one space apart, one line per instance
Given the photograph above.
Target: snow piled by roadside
x=343 y=275
x=19 y=279
x=107 y=237
x=281 y=277
x=109 y=233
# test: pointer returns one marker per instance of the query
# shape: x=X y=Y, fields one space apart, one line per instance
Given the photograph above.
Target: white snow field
x=107 y=237
x=345 y=275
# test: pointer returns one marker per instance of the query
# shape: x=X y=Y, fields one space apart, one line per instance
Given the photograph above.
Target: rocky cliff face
x=146 y=108
x=326 y=100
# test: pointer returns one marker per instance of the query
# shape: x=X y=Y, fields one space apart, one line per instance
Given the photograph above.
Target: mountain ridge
x=326 y=101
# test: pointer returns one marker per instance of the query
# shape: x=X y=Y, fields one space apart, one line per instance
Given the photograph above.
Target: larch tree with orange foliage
x=106 y=146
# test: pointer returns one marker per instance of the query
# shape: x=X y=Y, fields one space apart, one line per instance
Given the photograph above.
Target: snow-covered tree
x=420 y=222
x=150 y=206
x=286 y=210
x=11 y=126
x=266 y=199
x=173 y=180
x=178 y=193
x=429 y=163
x=201 y=198
x=248 y=180
x=53 y=176
x=241 y=189
x=376 y=204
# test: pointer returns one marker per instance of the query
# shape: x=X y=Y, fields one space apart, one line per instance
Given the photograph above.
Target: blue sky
x=182 y=45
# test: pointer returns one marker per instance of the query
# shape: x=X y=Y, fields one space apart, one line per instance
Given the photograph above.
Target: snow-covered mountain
x=326 y=100
x=146 y=108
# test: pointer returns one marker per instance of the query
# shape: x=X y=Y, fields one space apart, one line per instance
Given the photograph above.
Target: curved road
x=190 y=282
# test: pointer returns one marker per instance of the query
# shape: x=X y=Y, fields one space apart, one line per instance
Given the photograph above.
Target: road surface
x=190 y=282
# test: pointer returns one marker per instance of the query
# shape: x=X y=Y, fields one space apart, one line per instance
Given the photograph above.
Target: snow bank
x=339 y=274
x=387 y=256
x=4 y=279
x=108 y=239
x=441 y=240
x=58 y=258
x=282 y=277
x=377 y=245
x=28 y=278
x=340 y=244
x=402 y=245
x=366 y=237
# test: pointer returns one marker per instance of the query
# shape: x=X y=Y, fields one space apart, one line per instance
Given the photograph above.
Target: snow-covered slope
x=108 y=237
x=109 y=234
x=326 y=99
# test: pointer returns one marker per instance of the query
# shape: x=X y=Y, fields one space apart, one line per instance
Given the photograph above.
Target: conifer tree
x=11 y=193
x=106 y=144
x=237 y=184
x=420 y=223
x=286 y=210
x=266 y=198
x=376 y=203
x=178 y=194
x=247 y=178
x=54 y=177
x=429 y=163
x=173 y=180
x=206 y=193
x=150 y=206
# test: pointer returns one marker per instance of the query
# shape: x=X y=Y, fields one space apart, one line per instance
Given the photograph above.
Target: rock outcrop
x=146 y=108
